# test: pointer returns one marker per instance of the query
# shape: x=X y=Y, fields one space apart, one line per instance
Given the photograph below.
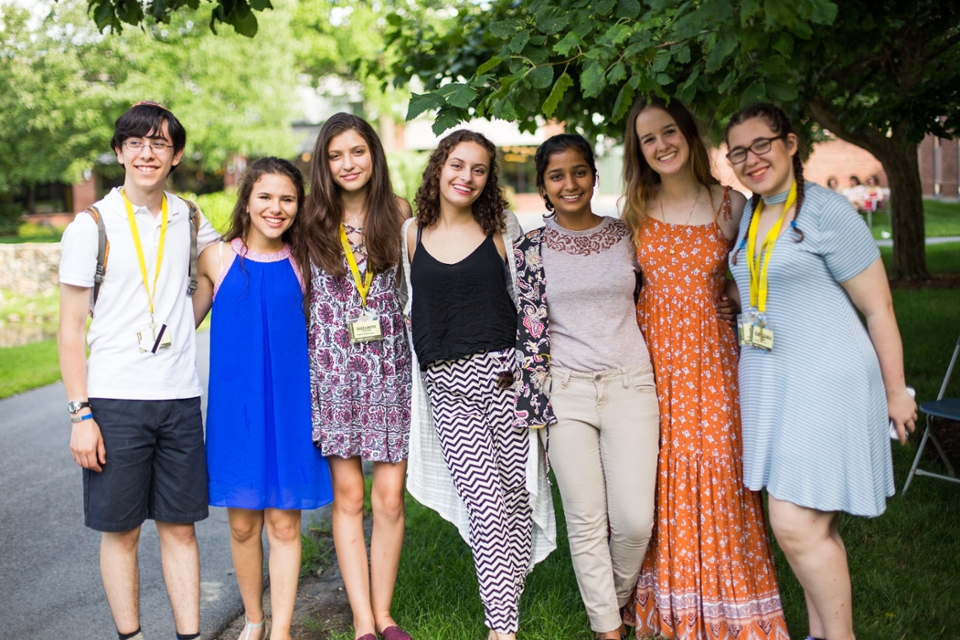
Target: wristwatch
x=75 y=405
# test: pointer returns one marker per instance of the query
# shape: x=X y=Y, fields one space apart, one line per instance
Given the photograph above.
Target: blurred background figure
x=833 y=184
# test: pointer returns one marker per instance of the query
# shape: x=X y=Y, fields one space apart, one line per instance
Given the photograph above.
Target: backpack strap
x=194 y=232
x=103 y=254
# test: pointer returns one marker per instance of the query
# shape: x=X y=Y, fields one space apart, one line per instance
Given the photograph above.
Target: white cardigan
x=428 y=479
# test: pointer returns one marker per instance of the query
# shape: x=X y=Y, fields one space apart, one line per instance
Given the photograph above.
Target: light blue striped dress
x=814 y=410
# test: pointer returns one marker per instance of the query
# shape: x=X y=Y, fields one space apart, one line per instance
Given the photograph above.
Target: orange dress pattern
x=708 y=572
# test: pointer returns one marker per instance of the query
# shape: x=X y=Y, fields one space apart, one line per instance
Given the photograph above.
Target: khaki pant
x=603 y=451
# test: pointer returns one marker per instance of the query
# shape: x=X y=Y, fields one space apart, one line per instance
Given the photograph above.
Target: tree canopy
x=62 y=85
x=879 y=74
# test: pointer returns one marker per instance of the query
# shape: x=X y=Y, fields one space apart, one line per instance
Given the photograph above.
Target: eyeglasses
x=759 y=147
x=158 y=146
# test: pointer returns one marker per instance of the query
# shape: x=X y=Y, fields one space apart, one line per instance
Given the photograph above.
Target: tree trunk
x=906 y=213
x=899 y=159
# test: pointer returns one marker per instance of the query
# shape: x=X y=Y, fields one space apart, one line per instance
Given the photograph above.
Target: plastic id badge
x=152 y=339
x=746 y=322
x=365 y=327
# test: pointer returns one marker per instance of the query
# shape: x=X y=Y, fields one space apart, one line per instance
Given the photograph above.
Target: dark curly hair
x=775 y=118
x=558 y=144
x=488 y=209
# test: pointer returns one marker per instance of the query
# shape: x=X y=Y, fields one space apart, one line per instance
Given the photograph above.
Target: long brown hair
x=487 y=209
x=639 y=178
x=294 y=235
x=324 y=205
x=774 y=117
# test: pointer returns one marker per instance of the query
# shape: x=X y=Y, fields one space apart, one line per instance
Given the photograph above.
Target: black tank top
x=463 y=308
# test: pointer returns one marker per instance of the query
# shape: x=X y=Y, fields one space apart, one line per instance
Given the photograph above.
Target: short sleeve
x=78 y=252
x=207 y=235
x=845 y=242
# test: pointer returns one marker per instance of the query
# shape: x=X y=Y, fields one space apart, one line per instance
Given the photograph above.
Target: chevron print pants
x=487 y=459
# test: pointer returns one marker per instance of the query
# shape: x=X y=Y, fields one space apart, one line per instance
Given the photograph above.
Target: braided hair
x=774 y=117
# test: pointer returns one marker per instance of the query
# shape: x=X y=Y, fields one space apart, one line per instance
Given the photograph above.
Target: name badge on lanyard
x=753 y=327
x=365 y=326
x=153 y=337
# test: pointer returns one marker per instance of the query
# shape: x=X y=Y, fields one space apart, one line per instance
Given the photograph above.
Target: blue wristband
x=89 y=416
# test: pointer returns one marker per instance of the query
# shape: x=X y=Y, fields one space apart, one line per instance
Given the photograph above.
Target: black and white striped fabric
x=487 y=458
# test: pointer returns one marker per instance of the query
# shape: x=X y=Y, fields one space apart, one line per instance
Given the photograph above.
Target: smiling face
x=464 y=175
x=568 y=182
x=661 y=141
x=272 y=207
x=146 y=169
x=351 y=164
x=769 y=173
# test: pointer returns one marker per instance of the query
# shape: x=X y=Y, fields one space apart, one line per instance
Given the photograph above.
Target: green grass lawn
x=940 y=219
x=27 y=367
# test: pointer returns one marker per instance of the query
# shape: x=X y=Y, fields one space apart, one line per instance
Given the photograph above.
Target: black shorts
x=156 y=466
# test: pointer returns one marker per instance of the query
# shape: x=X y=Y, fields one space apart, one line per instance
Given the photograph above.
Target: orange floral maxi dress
x=708 y=572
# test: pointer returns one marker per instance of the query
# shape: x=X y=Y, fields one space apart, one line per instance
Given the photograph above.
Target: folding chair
x=948 y=408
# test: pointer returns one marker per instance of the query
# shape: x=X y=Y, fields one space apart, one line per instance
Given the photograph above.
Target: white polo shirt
x=116 y=369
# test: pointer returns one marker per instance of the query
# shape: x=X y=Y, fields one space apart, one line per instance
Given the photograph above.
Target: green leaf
x=519 y=41
x=726 y=45
x=447 y=118
x=824 y=12
x=663 y=79
x=489 y=65
x=503 y=29
x=458 y=95
x=618 y=33
x=661 y=61
x=748 y=9
x=560 y=87
x=681 y=54
x=541 y=77
x=592 y=81
x=617 y=73
x=554 y=24
x=245 y=25
x=568 y=43
x=781 y=91
x=423 y=102
x=756 y=92
x=623 y=103
x=628 y=8
x=783 y=42
x=774 y=65
x=604 y=7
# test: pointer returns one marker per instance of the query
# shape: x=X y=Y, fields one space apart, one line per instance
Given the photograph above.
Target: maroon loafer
x=395 y=633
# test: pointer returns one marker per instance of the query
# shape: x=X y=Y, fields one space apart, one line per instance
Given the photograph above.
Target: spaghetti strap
x=419 y=233
x=725 y=210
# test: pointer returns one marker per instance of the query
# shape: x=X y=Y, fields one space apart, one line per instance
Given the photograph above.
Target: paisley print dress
x=360 y=392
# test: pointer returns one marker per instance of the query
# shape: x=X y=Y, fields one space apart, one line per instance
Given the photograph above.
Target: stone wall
x=29 y=268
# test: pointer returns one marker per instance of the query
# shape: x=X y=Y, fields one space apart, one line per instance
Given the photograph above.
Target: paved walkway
x=49 y=563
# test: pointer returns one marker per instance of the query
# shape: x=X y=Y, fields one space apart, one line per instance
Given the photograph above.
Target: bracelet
x=76 y=419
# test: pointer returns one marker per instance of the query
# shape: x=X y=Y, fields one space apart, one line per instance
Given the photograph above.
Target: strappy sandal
x=249 y=628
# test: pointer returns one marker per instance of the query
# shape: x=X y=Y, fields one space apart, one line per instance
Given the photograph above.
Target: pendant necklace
x=673 y=249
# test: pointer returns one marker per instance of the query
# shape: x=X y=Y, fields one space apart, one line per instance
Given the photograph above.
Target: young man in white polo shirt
x=135 y=403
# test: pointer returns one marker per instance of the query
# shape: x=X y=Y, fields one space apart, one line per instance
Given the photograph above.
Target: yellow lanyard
x=164 y=213
x=758 y=263
x=363 y=287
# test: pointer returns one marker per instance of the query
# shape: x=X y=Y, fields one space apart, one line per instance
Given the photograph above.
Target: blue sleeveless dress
x=260 y=452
